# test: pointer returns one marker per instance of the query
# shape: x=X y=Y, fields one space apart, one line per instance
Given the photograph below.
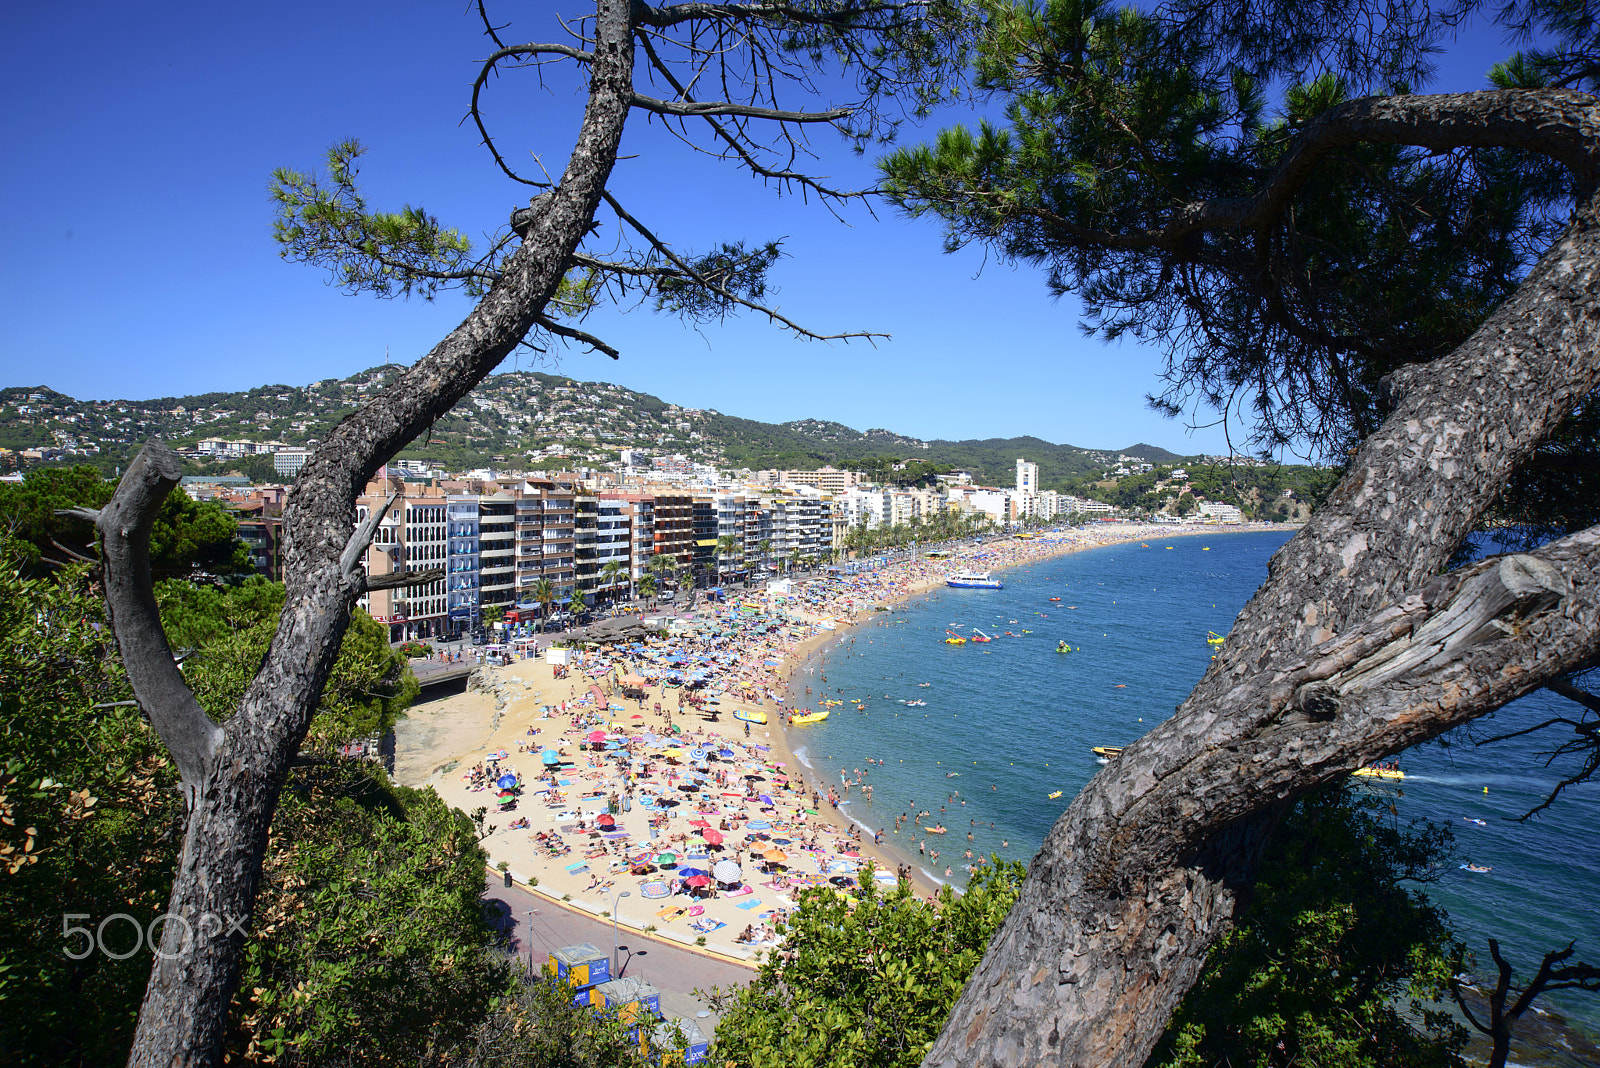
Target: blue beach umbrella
x=550 y=756
x=506 y=782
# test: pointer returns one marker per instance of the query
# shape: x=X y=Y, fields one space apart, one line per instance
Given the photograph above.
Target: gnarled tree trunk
x=1353 y=649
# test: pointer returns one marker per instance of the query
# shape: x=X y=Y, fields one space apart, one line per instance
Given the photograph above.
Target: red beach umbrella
x=712 y=837
x=698 y=880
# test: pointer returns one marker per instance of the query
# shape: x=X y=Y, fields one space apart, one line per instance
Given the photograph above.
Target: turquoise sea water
x=1009 y=722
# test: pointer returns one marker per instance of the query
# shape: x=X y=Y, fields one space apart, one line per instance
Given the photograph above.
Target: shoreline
x=923 y=880
x=756 y=650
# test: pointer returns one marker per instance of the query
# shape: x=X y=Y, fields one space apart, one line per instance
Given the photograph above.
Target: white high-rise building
x=1027 y=477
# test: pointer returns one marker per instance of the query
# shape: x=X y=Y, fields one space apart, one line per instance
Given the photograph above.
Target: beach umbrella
x=688 y=872
x=712 y=837
x=775 y=856
x=698 y=880
x=674 y=754
x=699 y=823
x=605 y=819
x=550 y=756
x=766 y=799
x=597 y=736
x=506 y=782
x=726 y=871
x=667 y=858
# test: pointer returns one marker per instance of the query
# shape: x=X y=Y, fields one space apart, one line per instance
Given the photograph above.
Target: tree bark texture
x=1354 y=648
x=236 y=785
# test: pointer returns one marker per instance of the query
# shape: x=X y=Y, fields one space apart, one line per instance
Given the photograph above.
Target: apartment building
x=674 y=526
x=703 y=516
x=798 y=530
x=546 y=543
x=1027 y=477
x=613 y=544
x=461 y=562
x=827 y=479
x=638 y=512
x=413 y=536
x=497 y=550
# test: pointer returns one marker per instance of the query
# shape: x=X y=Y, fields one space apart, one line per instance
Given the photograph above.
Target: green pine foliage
x=189 y=536
x=369 y=946
x=370 y=894
x=226 y=630
x=863 y=982
x=88 y=821
x=1339 y=962
x=1116 y=120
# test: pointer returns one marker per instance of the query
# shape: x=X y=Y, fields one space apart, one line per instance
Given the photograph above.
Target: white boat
x=974 y=580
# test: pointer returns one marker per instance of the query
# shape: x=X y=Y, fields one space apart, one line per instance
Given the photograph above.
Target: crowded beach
x=648 y=776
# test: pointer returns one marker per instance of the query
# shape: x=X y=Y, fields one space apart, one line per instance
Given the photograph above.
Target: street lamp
x=615 y=972
x=530 y=941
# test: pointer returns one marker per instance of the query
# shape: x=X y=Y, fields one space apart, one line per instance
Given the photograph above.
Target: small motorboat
x=1107 y=752
x=1380 y=771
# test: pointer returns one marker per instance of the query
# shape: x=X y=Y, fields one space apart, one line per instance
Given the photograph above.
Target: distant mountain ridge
x=522 y=419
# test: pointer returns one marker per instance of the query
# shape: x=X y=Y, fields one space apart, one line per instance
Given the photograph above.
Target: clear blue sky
x=137 y=259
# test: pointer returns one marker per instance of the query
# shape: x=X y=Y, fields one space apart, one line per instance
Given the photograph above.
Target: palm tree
x=727 y=545
x=578 y=604
x=766 y=555
x=608 y=575
x=794 y=558
x=544 y=593
x=647 y=586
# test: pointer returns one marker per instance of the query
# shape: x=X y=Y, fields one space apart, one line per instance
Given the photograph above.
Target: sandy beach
x=639 y=767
